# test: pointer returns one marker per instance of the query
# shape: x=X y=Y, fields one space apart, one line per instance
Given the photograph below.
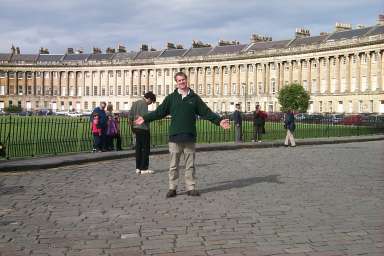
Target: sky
x=84 y=24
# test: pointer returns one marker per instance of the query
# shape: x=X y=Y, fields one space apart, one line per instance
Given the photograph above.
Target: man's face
x=103 y=105
x=181 y=82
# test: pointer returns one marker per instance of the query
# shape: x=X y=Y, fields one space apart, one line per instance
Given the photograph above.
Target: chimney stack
x=302 y=32
x=342 y=26
x=110 y=50
x=380 y=20
x=70 y=51
x=17 y=50
x=259 y=38
x=96 y=50
x=224 y=43
x=144 y=48
x=43 y=50
x=199 y=44
x=171 y=46
x=121 y=48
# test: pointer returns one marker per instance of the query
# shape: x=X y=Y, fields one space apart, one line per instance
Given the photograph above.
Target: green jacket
x=183 y=112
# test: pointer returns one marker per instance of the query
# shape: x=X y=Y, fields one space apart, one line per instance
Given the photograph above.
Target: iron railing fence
x=51 y=135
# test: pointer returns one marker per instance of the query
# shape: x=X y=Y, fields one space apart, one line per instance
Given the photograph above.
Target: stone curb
x=81 y=158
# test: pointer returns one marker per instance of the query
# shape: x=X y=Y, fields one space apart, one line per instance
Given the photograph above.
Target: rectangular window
x=208 y=89
x=234 y=88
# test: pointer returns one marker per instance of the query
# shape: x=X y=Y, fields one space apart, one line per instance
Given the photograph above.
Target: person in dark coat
x=237 y=118
x=259 y=118
x=102 y=123
x=289 y=124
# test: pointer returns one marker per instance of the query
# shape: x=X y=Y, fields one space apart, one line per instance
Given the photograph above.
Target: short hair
x=109 y=107
x=257 y=106
x=180 y=73
x=150 y=95
x=237 y=104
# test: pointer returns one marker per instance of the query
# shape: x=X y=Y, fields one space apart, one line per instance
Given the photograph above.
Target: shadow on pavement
x=183 y=167
x=240 y=183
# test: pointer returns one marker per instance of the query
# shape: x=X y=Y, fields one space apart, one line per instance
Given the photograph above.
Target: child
x=117 y=136
x=111 y=132
x=96 y=131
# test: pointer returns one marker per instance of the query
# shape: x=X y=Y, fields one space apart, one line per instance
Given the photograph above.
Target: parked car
x=74 y=114
x=44 y=112
x=25 y=113
x=86 y=113
x=301 y=116
x=334 y=118
x=314 y=118
x=61 y=113
x=352 y=120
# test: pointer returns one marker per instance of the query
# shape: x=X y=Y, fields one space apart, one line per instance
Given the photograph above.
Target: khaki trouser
x=176 y=150
x=289 y=138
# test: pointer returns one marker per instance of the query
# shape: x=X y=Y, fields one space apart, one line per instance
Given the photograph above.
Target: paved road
x=308 y=200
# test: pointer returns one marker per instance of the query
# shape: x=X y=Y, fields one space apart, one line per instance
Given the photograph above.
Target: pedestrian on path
x=183 y=105
x=102 y=123
x=142 y=133
x=289 y=124
x=259 y=118
x=238 y=119
x=96 y=132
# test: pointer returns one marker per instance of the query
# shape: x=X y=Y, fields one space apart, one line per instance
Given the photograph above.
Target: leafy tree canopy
x=293 y=97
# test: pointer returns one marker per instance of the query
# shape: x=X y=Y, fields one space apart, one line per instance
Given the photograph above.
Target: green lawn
x=33 y=136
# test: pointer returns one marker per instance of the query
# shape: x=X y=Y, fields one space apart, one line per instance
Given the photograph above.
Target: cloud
x=57 y=24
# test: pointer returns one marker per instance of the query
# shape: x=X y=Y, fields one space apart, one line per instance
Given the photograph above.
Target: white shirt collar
x=181 y=93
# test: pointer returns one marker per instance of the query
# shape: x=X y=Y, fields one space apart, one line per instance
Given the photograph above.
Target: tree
x=13 y=109
x=293 y=97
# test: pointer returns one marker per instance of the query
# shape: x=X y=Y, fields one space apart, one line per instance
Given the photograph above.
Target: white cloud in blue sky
x=59 y=24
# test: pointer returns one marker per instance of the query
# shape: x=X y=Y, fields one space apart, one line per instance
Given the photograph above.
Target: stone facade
x=343 y=72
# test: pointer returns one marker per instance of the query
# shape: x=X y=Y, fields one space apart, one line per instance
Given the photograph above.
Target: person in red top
x=96 y=132
x=259 y=117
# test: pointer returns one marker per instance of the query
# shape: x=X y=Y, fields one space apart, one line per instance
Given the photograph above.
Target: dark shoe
x=285 y=145
x=171 y=193
x=293 y=146
x=193 y=192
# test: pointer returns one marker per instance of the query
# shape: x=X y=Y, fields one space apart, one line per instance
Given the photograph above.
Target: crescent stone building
x=342 y=70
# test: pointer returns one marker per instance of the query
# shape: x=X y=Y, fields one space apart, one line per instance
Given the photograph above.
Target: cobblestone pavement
x=308 y=200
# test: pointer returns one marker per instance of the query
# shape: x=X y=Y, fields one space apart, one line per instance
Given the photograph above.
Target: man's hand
x=225 y=124
x=139 y=120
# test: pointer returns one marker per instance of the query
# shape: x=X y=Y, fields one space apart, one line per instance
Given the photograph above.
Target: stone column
x=309 y=71
x=204 y=92
x=25 y=87
x=358 y=73
x=256 y=90
x=369 y=71
x=264 y=77
x=277 y=75
x=290 y=71
x=348 y=73
x=299 y=75
x=267 y=79
x=379 y=72
x=318 y=78
x=328 y=75
x=16 y=83
x=7 y=83
x=338 y=80
x=131 y=73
